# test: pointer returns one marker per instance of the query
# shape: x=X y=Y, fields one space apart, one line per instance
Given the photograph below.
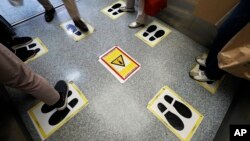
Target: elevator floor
x=119 y=111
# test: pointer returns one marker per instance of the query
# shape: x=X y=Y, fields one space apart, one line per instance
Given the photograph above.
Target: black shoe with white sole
x=20 y=41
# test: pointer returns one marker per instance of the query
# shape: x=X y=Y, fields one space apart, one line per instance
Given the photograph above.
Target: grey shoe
x=135 y=25
x=125 y=9
x=201 y=60
x=199 y=75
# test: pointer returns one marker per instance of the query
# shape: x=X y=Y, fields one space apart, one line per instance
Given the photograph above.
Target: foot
x=200 y=75
x=20 y=41
x=125 y=9
x=49 y=15
x=24 y=54
x=135 y=25
x=201 y=60
x=62 y=88
x=81 y=25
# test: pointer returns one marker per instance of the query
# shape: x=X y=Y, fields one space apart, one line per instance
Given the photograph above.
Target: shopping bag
x=153 y=7
x=234 y=58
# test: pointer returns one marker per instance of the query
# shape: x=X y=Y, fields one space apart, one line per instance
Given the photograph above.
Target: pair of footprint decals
x=72 y=28
x=58 y=116
x=157 y=34
x=114 y=10
x=172 y=118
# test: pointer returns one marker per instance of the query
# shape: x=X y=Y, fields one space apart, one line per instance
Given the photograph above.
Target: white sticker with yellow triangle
x=119 y=63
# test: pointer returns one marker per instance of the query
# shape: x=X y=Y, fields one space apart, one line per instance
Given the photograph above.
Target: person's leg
x=141 y=16
x=49 y=10
x=235 y=22
x=14 y=73
x=130 y=4
x=74 y=14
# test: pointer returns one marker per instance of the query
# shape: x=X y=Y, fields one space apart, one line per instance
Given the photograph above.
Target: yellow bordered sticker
x=175 y=113
x=119 y=63
x=47 y=121
x=154 y=33
x=113 y=10
x=36 y=45
x=213 y=87
x=74 y=32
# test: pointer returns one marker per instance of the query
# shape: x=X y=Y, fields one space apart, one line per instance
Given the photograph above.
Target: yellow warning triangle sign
x=119 y=61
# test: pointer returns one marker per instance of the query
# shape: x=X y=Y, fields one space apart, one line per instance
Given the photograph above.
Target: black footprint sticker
x=180 y=107
x=32 y=45
x=115 y=6
x=158 y=34
x=73 y=29
x=46 y=108
x=173 y=120
x=58 y=116
x=150 y=29
x=117 y=12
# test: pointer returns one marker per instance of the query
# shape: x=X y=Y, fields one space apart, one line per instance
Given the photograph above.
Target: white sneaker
x=125 y=9
x=201 y=60
x=135 y=25
x=199 y=75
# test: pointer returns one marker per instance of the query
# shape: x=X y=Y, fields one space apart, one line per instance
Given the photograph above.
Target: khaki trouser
x=69 y=4
x=141 y=16
x=14 y=73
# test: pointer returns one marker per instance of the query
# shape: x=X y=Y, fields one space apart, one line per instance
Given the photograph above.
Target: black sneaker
x=81 y=25
x=49 y=14
x=20 y=41
x=62 y=88
x=24 y=54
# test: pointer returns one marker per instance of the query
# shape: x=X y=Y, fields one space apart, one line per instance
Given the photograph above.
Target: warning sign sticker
x=119 y=63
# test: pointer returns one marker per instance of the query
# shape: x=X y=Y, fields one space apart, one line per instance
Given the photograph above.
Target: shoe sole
x=23 y=44
x=137 y=26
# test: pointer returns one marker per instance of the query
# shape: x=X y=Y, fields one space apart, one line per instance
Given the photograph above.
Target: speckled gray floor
x=118 y=111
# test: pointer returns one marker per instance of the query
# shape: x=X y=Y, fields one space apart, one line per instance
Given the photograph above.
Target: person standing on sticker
x=71 y=8
x=211 y=72
x=141 y=17
x=14 y=73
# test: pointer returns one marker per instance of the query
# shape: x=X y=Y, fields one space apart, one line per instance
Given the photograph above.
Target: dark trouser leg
x=235 y=22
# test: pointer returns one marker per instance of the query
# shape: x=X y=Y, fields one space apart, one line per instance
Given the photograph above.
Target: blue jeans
x=239 y=17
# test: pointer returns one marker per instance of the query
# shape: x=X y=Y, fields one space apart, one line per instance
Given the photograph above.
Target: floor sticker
x=175 y=113
x=113 y=10
x=211 y=87
x=47 y=120
x=73 y=31
x=36 y=45
x=119 y=63
x=153 y=33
